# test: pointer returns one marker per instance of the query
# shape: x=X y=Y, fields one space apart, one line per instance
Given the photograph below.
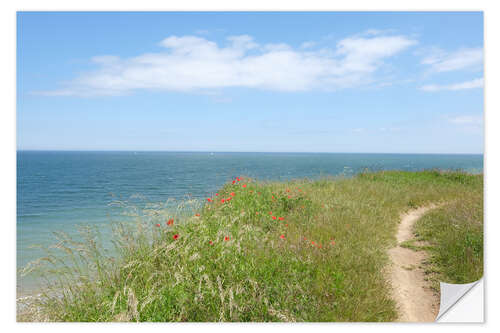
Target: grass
x=322 y=259
x=454 y=233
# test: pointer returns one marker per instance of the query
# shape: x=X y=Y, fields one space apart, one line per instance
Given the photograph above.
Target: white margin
x=8 y=137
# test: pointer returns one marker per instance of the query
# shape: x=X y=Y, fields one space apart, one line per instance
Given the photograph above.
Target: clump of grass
x=292 y=251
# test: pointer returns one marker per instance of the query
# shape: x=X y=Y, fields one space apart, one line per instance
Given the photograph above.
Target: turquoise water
x=57 y=191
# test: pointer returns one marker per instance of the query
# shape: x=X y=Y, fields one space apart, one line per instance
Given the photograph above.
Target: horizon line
x=228 y=151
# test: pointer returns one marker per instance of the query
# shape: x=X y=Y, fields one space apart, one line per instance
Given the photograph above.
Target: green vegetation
x=295 y=251
x=454 y=233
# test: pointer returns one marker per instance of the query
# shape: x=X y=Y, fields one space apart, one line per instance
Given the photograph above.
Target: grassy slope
x=454 y=234
x=267 y=270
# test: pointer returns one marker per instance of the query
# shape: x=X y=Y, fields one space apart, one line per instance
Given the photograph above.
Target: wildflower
x=238 y=178
x=222 y=200
x=305 y=238
x=226 y=238
x=197 y=214
x=286 y=224
x=157 y=224
x=289 y=197
x=288 y=190
x=170 y=222
x=256 y=213
x=232 y=194
x=270 y=213
x=281 y=218
x=244 y=185
x=209 y=200
x=216 y=194
x=274 y=217
x=282 y=236
x=211 y=243
x=332 y=242
x=228 y=199
x=175 y=236
x=272 y=196
x=313 y=243
x=234 y=181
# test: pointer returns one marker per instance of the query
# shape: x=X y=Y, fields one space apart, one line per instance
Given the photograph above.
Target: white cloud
x=307 y=45
x=466 y=120
x=467 y=58
x=202 y=32
x=193 y=63
x=390 y=129
x=476 y=83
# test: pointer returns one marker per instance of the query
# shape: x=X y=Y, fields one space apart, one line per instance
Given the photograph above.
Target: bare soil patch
x=415 y=300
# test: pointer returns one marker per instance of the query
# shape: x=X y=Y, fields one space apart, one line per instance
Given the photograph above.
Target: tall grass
x=292 y=251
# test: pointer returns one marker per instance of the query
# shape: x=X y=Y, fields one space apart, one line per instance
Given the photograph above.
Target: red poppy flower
x=232 y=194
x=286 y=225
x=333 y=242
x=228 y=199
x=197 y=214
x=305 y=238
x=270 y=213
x=281 y=218
x=313 y=243
x=175 y=236
x=234 y=181
x=226 y=238
x=244 y=185
x=282 y=236
x=158 y=224
x=211 y=243
x=289 y=197
x=274 y=217
x=222 y=200
x=209 y=200
x=256 y=213
x=170 y=222
x=238 y=179
x=216 y=194
x=272 y=196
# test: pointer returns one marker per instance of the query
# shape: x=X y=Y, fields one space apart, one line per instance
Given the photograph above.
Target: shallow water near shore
x=59 y=191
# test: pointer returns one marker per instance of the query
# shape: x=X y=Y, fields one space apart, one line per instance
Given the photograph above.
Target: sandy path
x=415 y=301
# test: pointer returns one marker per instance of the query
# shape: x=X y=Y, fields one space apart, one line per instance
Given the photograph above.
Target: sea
x=61 y=191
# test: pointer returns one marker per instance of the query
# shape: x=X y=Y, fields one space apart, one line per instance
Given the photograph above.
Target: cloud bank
x=193 y=63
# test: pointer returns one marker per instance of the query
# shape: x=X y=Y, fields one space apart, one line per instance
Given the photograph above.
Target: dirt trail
x=415 y=301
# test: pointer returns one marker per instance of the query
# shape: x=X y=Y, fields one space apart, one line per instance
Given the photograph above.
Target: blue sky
x=301 y=82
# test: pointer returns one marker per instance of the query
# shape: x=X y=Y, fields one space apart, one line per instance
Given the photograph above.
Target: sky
x=369 y=82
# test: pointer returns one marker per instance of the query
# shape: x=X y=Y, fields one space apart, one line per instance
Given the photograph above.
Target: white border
x=8 y=128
